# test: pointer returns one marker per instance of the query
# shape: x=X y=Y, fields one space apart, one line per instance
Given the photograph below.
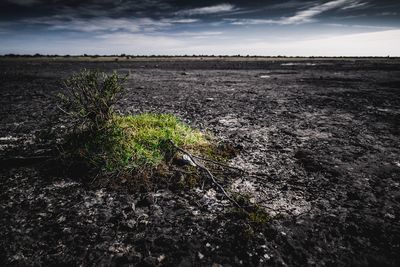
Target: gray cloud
x=365 y=27
x=356 y=5
x=309 y=14
x=306 y=15
x=221 y=8
x=388 y=14
x=106 y=24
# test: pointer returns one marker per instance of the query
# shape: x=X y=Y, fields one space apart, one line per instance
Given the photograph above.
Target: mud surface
x=321 y=136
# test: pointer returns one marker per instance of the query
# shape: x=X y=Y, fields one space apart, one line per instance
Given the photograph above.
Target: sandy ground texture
x=322 y=137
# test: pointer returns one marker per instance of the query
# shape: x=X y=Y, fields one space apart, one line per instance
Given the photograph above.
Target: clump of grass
x=146 y=135
x=112 y=144
x=138 y=141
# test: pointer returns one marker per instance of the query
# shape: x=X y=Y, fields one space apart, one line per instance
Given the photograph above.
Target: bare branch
x=210 y=175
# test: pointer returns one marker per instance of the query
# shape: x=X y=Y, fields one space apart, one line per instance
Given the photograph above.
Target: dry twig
x=209 y=174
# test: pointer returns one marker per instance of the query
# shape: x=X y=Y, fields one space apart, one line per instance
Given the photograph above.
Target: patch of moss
x=258 y=216
x=254 y=213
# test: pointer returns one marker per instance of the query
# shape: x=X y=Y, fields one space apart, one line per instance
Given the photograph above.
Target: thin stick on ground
x=220 y=164
x=209 y=174
x=249 y=174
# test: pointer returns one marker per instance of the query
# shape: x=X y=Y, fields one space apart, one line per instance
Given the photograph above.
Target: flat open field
x=321 y=138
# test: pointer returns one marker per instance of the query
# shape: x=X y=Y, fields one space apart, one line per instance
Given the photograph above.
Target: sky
x=201 y=27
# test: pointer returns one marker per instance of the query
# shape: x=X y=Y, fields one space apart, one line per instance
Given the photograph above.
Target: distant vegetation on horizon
x=37 y=55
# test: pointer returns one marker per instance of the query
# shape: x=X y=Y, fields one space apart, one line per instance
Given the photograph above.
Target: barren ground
x=321 y=135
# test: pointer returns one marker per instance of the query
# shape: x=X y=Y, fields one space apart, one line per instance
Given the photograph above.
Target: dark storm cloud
x=159 y=8
x=280 y=12
x=183 y=23
x=120 y=14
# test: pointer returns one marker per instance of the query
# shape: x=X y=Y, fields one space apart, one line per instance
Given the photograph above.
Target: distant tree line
x=37 y=55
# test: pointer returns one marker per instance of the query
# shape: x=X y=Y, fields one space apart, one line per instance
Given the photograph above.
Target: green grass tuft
x=139 y=141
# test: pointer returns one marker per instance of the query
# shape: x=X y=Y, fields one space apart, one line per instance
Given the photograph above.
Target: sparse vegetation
x=107 y=142
x=129 y=142
x=253 y=213
x=89 y=98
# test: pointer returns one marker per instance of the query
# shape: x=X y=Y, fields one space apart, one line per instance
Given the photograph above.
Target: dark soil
x=321 y=138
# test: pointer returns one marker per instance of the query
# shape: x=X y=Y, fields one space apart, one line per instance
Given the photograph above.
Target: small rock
x=209 y=196
x=61 y=219
x=188 y=160
x=161 y=258
x=201 y=256
x=196 y=213
x=131 y=223
x=389 y=216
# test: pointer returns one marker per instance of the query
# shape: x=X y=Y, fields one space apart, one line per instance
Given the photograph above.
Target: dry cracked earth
x=319 y=137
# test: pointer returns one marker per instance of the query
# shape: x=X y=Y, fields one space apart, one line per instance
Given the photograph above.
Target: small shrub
x=89 y=98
